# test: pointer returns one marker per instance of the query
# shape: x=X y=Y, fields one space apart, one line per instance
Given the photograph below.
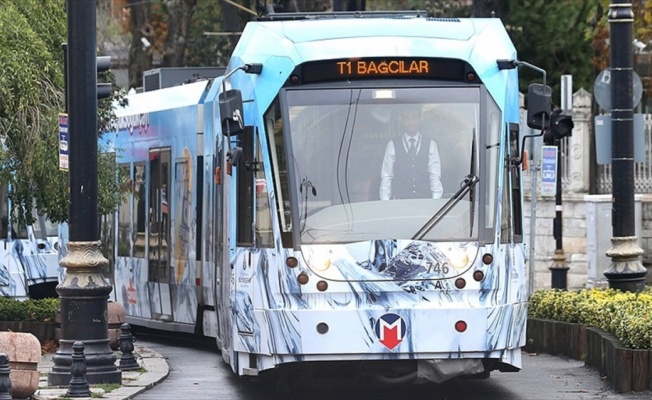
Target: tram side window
x=139 y=204
x=264 y=234
x=107 y=223
x=107 y=239
x=18 y=231
x=4 y=228
x=245 y=195
x=492 y=165
x=4 y=215
x=183 y=201
x=274 y=132
x=506 y=209
x=127 y=186
x=158 y=219
x=515 y=175
x=511 y=211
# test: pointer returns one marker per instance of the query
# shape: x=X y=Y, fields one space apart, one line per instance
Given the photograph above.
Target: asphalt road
x=198 y=372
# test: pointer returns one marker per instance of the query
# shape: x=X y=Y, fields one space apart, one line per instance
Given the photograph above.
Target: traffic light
x=561 y=126
x=548 y=138
x=103 y=63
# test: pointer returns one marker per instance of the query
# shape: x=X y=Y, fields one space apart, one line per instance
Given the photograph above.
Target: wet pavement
x=154 y=369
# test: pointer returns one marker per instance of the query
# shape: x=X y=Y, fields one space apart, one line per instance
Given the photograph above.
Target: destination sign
x=392 y=67
x=381 y=68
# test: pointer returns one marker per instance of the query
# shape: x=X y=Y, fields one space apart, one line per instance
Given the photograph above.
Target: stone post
x=579 y=144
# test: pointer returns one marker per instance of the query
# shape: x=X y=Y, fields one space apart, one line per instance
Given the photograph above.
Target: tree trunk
x=180 y=15
x=231 y=22
x=140 y=58
x=484 y=8
x=304 y=6
x=348 y=5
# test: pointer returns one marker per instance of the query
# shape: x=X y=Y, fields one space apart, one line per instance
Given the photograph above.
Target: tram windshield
x=380 y=163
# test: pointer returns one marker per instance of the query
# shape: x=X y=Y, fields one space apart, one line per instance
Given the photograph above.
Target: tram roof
x=307 y=39
x=164 y=99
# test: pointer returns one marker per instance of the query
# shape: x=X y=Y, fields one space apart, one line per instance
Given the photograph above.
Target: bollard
x=116 y=313
x=23 y=351
x=127 y=361
x=78 y=383
x=5 y=382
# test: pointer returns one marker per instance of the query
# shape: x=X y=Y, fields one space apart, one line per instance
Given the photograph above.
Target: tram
x=29 y=253
x=254 y=209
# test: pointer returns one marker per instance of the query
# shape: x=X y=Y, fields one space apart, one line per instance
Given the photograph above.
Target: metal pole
x=533 y=206
x=84 y=291
x=567 y=94
x=559 y=269
x=64 y=48
x=626 y=271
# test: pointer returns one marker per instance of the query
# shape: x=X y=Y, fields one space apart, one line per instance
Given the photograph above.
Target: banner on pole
x=63 y=142
x=549 y=170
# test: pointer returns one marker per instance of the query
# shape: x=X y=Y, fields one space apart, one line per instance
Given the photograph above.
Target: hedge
x=42 y=310
x=628 y=316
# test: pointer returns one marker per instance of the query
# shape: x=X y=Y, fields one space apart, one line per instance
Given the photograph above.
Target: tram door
x=159 y=234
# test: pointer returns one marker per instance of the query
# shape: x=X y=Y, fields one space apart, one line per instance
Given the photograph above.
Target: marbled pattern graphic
x=131 y=289
x=27 y=262
x=361 y=289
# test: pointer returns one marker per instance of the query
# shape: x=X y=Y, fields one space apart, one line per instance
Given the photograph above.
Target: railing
x=642 y=170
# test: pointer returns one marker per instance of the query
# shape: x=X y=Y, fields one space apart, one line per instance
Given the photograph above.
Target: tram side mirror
x=234 y=156
x=231 y=112
x=237 y=154
x=539 y=106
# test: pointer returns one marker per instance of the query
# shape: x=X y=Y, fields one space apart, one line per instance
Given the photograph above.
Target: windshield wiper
x=305 y=183
x=472 y=194
x=467 y=184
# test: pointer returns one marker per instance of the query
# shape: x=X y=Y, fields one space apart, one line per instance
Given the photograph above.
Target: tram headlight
x=321 y=266
x=459 y=260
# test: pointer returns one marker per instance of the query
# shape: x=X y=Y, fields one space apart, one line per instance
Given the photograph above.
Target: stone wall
x=575 y=242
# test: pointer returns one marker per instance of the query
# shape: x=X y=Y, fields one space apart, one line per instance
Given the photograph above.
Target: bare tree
x=231 y=21
x=349 y=5
x=150 y=36
x=484 y=8
x=302 y=5
x=180 y=14
x=140 y=58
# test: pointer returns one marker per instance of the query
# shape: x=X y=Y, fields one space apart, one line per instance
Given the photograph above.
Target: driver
x=411 y=166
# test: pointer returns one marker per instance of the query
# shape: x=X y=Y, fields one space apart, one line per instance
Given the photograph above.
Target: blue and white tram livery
x=253 y=211
x=29 y=254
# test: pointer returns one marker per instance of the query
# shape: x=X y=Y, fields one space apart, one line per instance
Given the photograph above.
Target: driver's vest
x=411 y=178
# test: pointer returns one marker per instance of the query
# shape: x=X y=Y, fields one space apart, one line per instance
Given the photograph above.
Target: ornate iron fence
x=642 y=170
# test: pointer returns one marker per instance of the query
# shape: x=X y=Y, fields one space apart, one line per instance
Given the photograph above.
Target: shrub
x=43 y=310
x=628 y=316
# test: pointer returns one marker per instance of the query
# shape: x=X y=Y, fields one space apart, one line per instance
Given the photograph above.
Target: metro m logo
x=390 y=330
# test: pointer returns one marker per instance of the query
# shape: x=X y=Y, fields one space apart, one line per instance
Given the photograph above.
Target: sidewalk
x=154 y=370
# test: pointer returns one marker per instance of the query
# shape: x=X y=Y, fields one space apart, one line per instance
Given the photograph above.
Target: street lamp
x=83 y=291
x=626 y=271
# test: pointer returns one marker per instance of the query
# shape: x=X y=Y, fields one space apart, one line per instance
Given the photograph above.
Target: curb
x=154 y=369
